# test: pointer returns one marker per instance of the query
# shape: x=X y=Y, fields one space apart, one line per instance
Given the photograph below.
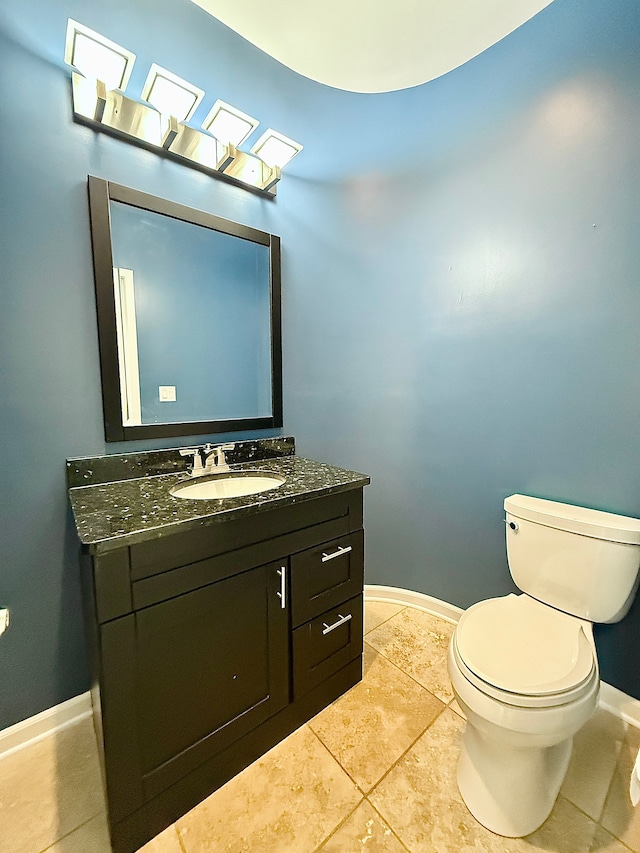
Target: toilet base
x=510 y=790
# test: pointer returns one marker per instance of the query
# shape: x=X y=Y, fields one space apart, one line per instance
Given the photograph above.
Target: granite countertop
x=112 y=514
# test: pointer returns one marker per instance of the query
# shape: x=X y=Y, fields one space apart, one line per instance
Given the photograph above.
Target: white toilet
x=524 y=667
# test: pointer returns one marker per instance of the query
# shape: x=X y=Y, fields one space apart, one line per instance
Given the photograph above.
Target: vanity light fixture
x=229 y=124
x=275 y=149
x=158 y=120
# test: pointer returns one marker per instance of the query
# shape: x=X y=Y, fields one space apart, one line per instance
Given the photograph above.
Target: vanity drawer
x=323 y=576
x=326 y=644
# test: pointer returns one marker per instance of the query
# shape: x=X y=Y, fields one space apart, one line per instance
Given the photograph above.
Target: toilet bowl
x=517 y=745
x=525 y=671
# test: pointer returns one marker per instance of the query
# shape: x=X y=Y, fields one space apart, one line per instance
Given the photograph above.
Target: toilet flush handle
x=511 y=524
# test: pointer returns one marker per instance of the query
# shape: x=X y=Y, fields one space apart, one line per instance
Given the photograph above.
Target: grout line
x=609 y=786
x=408 y=749
x=408 y=674
x=608 y=794
x=582 y=811
x=346 y=772
x=417 y=738
x=422 y=687
x=384 y=621
x=179 y=837
x=596 y=822
x=71 y=831
x=381 y=816
x=338 y=762
x=339 y=825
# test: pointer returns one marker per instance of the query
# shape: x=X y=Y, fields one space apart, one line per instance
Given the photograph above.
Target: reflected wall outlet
x=167 y=393
x=4 y=619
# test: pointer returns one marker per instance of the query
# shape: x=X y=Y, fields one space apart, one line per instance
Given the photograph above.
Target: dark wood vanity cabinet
x=212 y=645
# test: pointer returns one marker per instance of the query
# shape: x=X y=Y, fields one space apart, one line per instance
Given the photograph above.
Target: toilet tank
x=582 y=561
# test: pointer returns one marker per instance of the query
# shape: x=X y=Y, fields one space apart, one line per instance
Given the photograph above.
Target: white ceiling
x=369 y=45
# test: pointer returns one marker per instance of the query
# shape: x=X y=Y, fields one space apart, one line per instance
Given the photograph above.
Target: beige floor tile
x=370 y=727
x=420 y=801
x=364 y=830
x=604 y=842
x=566 y=830
x=289 y=801
x=377 y=612
x=49 y=789
x=619 y=816
x=596 y=748
x=91 y=837
x=417 y=642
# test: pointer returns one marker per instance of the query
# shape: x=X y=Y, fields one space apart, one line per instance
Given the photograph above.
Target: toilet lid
x=522 y=646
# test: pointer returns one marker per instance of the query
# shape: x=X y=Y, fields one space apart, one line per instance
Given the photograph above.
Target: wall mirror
x=189 y=320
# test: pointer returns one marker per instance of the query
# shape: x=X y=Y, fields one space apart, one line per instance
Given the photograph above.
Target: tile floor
x=373 y=772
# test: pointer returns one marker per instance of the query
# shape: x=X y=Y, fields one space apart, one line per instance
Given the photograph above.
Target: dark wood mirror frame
x=101 y=193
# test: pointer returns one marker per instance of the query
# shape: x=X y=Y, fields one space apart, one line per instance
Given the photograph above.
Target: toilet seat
x=523 y=652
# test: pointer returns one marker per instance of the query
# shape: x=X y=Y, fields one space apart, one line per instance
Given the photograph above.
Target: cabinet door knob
x=282 y=594
x=327 y=629
x=337 y=553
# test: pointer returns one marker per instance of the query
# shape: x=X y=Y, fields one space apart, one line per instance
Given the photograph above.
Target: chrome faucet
x=214 y=458
x=215 y=461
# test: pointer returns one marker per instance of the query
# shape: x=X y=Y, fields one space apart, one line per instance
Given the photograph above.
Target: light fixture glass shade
x=170 y=94
x=228 y=124
x=275 y=149
x=97 y=57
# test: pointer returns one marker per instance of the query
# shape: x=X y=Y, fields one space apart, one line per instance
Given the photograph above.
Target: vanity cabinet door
x=212 y=664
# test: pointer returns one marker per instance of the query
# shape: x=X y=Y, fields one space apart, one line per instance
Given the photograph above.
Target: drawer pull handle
x=327 y=629
x=326 y=557
x=282 y=594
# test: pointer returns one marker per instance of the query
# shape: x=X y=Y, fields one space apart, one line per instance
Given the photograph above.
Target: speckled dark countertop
x=109 y=515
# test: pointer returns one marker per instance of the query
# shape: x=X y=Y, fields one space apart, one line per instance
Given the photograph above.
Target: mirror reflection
x=190 y=327
x=193 y=319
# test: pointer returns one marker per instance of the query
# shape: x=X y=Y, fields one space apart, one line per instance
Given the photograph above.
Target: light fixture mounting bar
x=111 y=112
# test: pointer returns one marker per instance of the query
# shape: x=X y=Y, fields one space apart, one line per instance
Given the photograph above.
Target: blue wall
x=460 y=310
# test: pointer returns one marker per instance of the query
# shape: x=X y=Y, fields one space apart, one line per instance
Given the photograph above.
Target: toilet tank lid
x=575 y=519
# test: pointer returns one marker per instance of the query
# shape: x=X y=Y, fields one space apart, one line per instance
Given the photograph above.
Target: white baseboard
x=74 y=710
x=44 y=724
x=406 y=597
x=611 y=699
x=618 y=703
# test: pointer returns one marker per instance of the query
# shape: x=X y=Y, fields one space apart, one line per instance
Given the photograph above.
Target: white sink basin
x=228 y=486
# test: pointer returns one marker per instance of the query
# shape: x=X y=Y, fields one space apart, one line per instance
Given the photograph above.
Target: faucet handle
x=221 y=454
x=189 y=451
x=197 y=467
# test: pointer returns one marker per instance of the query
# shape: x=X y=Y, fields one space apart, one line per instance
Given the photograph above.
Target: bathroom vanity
x=217 y=627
